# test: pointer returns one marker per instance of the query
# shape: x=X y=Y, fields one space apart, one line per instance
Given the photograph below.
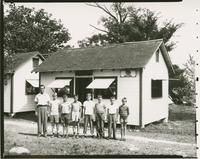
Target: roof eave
x=95 y=69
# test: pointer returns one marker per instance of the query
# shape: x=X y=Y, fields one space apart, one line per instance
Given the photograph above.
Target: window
x=35 y=62
x=67 y=89
x=157 y=55
x=30 y=89
x=107 y=93
x=156 y=88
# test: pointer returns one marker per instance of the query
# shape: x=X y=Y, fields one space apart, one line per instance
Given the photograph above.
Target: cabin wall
x=127 y=87
x=7 y=96
x=154 y=109
x=47 y=78
x=21 y=101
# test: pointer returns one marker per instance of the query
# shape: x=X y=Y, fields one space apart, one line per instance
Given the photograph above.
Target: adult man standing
x=42 y=101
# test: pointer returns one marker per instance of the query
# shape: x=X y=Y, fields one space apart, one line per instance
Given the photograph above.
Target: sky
x=77 y=18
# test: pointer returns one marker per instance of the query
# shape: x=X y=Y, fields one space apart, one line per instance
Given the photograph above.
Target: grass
x=180 y=128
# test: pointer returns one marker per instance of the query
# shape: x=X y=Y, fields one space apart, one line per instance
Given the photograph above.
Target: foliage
x=29 y=30
x=26 y=30
x=182 y=90
x=126 y=24
x=190 y=74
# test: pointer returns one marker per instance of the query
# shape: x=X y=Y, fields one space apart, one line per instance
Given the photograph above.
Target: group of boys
x=73 y=112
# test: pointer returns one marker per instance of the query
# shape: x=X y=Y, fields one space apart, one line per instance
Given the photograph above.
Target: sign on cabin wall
x=128 y=73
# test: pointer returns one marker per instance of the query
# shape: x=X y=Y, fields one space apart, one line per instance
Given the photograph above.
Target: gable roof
x=19 y=59
x=115 y=56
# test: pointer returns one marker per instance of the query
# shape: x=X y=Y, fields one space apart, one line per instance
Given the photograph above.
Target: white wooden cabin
x=20 y=83
x=136 y=70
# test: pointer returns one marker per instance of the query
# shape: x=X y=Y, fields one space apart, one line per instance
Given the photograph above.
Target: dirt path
x=33 y=125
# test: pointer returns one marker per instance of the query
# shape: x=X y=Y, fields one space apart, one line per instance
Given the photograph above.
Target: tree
x=177 y=85
x=190 y=74
x=182 y=87
x=126 y=23
x=26 y=29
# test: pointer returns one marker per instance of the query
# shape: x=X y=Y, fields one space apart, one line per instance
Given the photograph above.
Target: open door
x=81 y=87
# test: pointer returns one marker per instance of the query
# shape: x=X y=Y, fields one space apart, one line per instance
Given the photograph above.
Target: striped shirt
x=123 y=110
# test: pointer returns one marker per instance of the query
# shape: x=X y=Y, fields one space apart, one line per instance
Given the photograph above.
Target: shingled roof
x=115 y=56
x=19 y=59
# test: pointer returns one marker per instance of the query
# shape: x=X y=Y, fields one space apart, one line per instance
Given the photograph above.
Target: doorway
x=81 y=90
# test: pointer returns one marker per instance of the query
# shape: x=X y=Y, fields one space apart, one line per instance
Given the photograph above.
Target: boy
x=100 y=111
x=54 y=114
x=65 y=114
x=112 y=118
x=76 y=111
x=124 y=113
x=88 y=111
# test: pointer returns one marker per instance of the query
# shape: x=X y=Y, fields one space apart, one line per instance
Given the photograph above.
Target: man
x=100 y=111
x=42 y=101
x=112 y=118
x=88 y=109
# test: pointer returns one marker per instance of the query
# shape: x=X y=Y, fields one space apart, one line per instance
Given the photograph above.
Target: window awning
x=100 y=83
x=33 y=82
x=59 y=83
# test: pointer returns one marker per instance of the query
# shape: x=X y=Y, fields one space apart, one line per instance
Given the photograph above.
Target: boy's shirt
x=100 y=108
x=66 y=107
x=76 y=106
x=123 y=110
x=89 y=107
x=112 y=109
x=54 y=107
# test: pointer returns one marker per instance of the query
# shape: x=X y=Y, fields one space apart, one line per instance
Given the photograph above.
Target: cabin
x=136 y=70
x=20 y=83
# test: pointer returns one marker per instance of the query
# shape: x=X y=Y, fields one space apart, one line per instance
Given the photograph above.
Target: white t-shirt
x=89 y=107
x=66 y=107
x=42 y=99
x=54 y=104
x=112 y=108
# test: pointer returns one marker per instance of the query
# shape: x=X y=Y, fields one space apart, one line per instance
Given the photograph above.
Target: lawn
x=177 y=137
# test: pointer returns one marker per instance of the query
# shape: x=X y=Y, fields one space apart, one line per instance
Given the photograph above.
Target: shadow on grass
x=30 y=116
x=28 y=134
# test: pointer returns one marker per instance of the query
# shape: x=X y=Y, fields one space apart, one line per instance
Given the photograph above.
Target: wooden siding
x=21 y=101
x=154 y=109
x=7 y=96
x=47 y=78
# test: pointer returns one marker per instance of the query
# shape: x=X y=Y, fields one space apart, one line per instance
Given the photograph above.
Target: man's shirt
x=42 y=99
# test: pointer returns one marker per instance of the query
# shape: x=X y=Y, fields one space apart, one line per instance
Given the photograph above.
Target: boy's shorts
x=123 y=119
x=75 y=116
x=54 y=118
x=65 y=118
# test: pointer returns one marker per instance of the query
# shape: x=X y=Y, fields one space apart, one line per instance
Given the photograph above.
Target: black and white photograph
x=100 y=79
